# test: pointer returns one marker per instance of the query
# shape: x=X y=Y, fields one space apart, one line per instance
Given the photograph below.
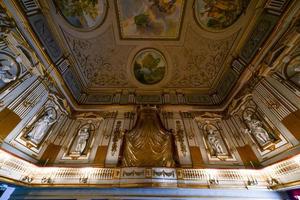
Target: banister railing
x=18 y=170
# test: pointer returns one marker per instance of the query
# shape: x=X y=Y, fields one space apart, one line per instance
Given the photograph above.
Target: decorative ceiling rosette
x=83 y=14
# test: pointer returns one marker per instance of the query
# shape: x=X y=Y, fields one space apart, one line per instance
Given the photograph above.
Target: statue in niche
x=214 y=141
x=81 y=140
x=83 y=136
x=255 y=127
x=42 y=126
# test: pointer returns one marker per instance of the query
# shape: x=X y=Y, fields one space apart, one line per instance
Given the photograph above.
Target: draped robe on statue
x=148 y=144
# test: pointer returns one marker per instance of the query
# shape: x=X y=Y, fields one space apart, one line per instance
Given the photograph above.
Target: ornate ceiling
x=157 y=52
x=150 y=52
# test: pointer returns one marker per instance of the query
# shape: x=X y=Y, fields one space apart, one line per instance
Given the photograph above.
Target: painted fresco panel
x=84 y=14
x=150 y=19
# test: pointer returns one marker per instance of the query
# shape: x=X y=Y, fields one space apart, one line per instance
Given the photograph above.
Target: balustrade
x=19 y=170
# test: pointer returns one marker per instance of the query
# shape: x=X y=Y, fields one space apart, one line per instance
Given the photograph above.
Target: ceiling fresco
x=155 y=19
x=152 y=51
x=218 y=14
x=149 y=66
x=193 y=67
x=82 y=14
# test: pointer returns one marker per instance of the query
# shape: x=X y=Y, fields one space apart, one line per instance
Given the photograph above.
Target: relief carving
x=101 y=67
x=179 y=136
x=117 y=135
x=199 y=66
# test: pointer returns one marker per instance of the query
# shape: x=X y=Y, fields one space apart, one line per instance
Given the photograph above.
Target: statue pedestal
x=75 y=155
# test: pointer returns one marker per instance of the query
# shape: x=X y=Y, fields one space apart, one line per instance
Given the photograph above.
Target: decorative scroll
x=117 y=135
x=179 y=136
x=109 y=116
x=191 y=132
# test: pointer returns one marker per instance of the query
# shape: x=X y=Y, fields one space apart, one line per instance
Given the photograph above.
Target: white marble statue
x=214 y=142
x=83 y=136
x=5 y=75
x=41 y=127
x=255 y=128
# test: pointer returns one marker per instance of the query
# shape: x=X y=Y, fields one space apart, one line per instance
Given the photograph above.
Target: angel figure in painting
x=42 y=126
x=83 y=136
x=256 y=128
x=214 y=142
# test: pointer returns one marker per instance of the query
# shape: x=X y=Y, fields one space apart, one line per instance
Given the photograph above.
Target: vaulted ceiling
x=155 y=51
